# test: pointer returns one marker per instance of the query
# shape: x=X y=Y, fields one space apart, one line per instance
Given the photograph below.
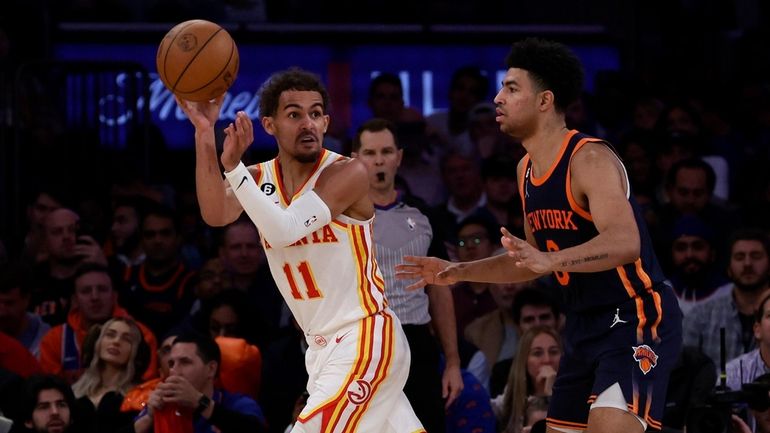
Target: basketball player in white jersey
x=313 y=211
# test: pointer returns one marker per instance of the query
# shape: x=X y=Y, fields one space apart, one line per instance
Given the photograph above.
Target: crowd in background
x=114 y=274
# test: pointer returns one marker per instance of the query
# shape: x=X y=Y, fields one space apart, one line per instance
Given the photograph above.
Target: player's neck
x=294 y=172
x=544 y=144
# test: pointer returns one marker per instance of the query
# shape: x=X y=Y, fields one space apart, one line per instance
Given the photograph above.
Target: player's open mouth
x=380 y=176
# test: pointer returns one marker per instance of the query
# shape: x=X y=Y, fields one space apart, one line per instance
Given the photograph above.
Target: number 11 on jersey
x=307 y=277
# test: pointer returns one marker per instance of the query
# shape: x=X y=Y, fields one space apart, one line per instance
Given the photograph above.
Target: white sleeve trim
x=280 y=227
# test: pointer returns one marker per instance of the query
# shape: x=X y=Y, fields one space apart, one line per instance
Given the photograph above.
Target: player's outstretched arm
x=598 y=176
x=431 y=270
x=218 y=208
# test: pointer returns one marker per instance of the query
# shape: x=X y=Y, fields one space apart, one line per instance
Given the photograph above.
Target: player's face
x=299 y=124
x=544 y=351
x=382 y=158
x=116 y=343
x=517 y=104
x=94 y=296
x=691 y=254
x=241 y=252
x=749 y=267
x=51 y=413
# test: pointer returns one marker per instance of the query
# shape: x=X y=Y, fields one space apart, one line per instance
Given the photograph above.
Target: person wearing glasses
x=475 y=240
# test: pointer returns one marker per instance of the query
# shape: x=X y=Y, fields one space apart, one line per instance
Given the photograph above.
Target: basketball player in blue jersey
x=314 y=214
x=623 y=329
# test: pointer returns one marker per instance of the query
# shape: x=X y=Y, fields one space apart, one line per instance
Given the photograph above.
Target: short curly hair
x=290 y=79
x=552 y=66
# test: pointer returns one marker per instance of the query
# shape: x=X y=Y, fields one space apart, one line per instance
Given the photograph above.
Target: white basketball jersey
x=330 y=278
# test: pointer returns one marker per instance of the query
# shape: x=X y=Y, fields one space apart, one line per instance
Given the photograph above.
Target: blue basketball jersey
x=558 y=222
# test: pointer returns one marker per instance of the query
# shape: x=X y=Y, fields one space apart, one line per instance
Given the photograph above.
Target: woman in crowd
x=532 y=374
x=112 y=371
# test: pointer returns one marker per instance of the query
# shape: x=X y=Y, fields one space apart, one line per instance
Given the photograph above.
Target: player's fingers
x=417 y=285
x=415 y=259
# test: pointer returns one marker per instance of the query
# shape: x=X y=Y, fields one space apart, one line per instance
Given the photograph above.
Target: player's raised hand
x=427 y=270
x=203 y=115
x=524 y=254
x=238 y=137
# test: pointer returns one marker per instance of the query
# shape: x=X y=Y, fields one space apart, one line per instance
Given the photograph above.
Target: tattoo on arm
x=582 y=260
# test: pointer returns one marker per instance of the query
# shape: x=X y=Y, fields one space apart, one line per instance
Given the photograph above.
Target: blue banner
x=425 y=72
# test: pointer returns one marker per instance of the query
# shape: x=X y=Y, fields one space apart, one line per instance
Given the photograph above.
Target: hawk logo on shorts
x=359 y=391
x=646 y=357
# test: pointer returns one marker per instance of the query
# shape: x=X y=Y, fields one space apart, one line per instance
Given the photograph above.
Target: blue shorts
x=635 y=344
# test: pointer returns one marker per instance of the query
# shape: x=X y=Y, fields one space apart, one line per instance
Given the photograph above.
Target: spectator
x=44 y=201
x=67 y=249
x=532 y=374
x=243 y=257
x=468 y=87
x=193 y=367
x=386 y=100
x=495 y=334
x=503 y=201
x=48 y=406
x=115 y=367
x=136 y=398
x=475 y=240
x=25 y=326
x=212 y=279
x=159 y=292
x=690 y=187
x=749 y=271
x=749 y=366
x=462 y=176
x=124 y=239
x=94 y=303
x=695 y=276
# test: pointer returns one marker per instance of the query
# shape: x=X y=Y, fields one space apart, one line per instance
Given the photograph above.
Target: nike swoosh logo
x=242 y=180
x=338 y=339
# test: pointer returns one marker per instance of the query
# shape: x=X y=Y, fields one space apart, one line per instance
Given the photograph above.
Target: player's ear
x=546 y=100
x=267 y=125
x=326 y=122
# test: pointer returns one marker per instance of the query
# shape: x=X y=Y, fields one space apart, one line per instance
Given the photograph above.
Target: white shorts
x=356 y=380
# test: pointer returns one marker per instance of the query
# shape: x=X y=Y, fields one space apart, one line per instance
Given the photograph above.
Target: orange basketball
x=197 y=60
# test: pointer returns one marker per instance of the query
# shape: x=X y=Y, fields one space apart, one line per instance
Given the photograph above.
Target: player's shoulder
x=343 y=164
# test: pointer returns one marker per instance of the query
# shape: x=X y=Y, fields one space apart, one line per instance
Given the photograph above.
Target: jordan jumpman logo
x=617 y=318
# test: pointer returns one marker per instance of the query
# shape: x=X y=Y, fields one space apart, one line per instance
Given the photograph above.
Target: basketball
x=197 y=60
